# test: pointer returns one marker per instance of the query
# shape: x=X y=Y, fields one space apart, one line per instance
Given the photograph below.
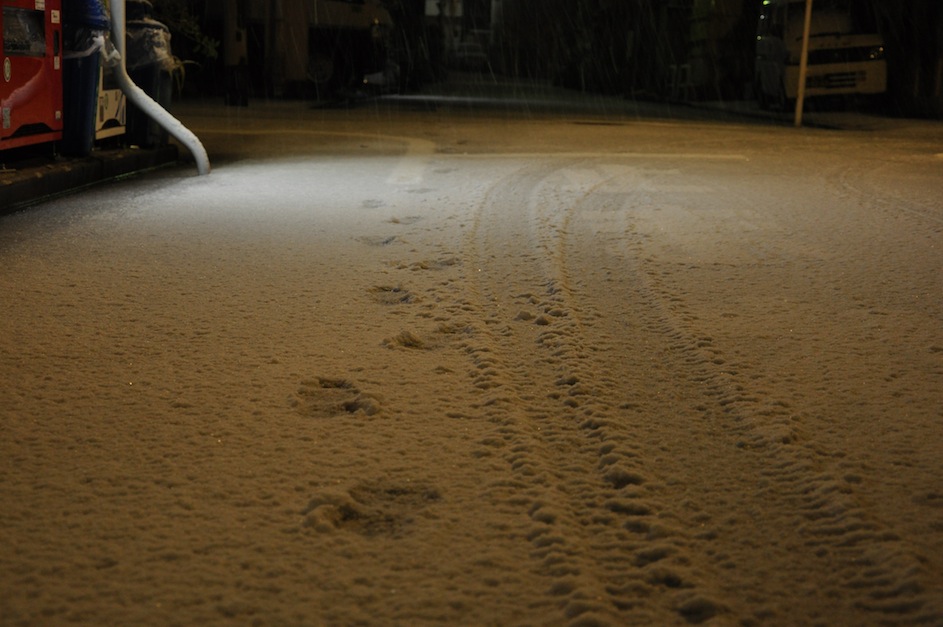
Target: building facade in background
x=671 y=49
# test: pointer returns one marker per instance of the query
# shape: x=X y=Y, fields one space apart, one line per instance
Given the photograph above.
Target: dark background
x=629 y=47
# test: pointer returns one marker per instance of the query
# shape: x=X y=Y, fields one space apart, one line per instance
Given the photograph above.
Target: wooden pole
x=803 y=62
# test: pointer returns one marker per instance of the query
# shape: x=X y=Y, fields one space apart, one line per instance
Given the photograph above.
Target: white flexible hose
x=147 y=104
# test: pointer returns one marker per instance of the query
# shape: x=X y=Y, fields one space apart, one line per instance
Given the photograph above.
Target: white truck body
x=846 y=55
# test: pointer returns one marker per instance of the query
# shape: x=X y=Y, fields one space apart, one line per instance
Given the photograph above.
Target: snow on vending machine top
x=31 y=87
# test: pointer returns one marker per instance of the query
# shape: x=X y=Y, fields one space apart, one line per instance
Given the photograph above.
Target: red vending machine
x=31 y=86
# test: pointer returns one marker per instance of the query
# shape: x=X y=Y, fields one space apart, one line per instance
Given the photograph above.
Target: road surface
x=395 y=365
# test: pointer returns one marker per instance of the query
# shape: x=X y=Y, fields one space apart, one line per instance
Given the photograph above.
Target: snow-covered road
x=392 y=367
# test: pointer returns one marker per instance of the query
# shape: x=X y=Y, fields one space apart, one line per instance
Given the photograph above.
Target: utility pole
x=803 y=62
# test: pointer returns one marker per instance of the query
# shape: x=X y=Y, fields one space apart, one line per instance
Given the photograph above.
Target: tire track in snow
x=596 y=503
x=663 y=482
x=631 y=434
x=807 y=510
x=903 y=196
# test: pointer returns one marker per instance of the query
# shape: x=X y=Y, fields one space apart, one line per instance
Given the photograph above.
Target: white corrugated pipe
x=147 y=104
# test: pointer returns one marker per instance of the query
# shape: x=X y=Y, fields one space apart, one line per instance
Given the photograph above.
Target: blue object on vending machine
x=85 y=24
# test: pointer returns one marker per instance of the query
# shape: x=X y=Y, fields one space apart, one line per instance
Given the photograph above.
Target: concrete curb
x=31 y=185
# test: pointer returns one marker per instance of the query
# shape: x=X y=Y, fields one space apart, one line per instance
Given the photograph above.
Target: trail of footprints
x=586 y=511
x=368 y=508
x=327 y=397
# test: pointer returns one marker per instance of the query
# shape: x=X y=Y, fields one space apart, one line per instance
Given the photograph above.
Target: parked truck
x=846 y=52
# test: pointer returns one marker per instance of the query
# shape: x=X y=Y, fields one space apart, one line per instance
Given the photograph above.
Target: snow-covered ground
x=396 y=366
